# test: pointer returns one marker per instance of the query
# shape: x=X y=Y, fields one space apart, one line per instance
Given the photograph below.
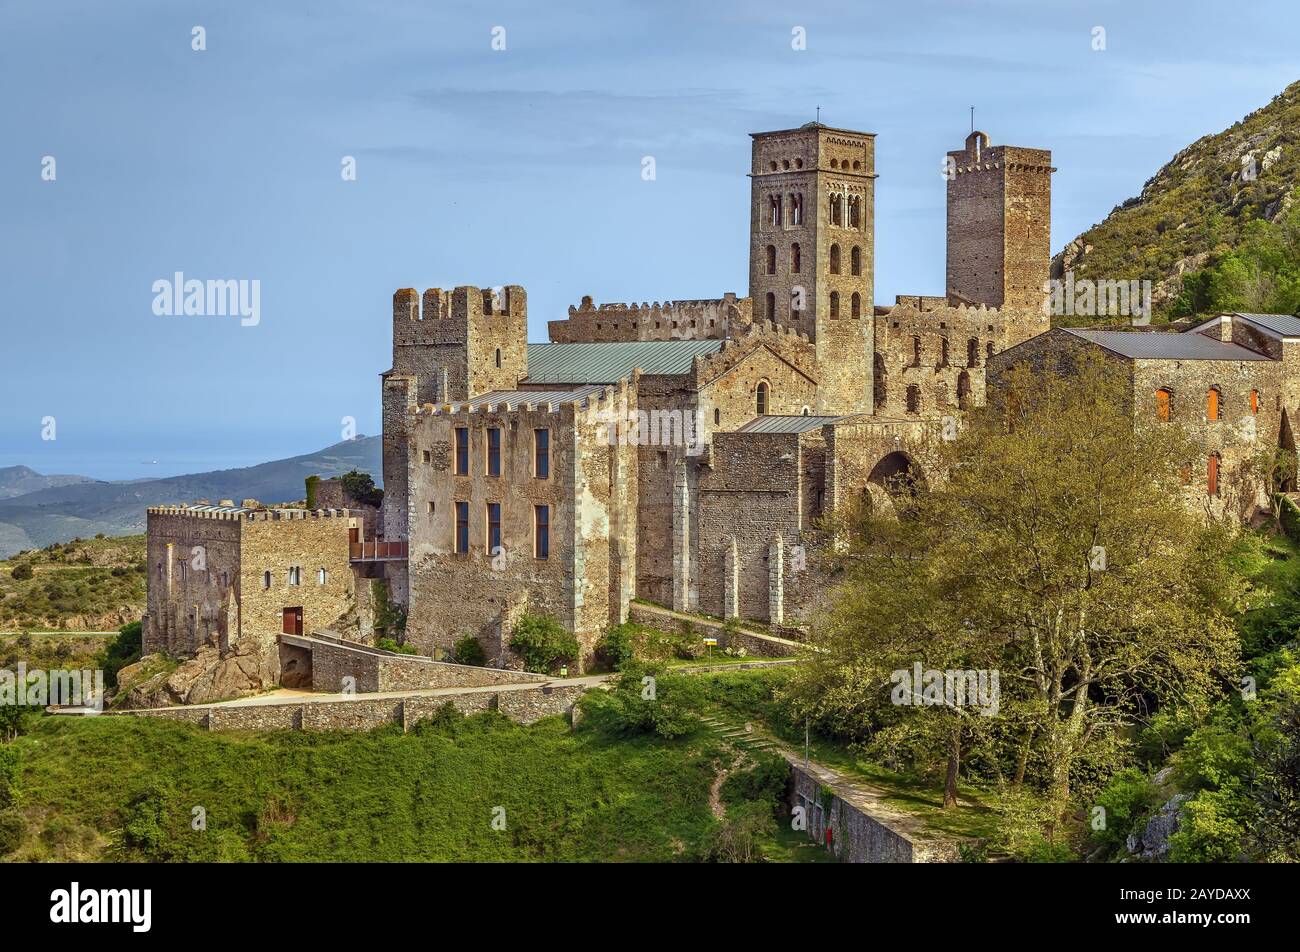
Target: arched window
x=1212 y=475
x=855 y=260
x=855 y=305
x=963 y=390
x=988 y=349
x=835 y=259
x=835 y=304
x=943 y=352
x=796 y=209
x=771 y=259
x=973 y=352
x=760 y=399
x=717 y=416
x=1162 y=404
x=1254 y=401
x=1212 y=405
x=913 y=398
x=855 y=211
x=498 y=356
x=774 y=207
x=916 y=350
x=266 y=580
x=771 y=306
x=796 y=258
x=322 y=577
x=837 y=210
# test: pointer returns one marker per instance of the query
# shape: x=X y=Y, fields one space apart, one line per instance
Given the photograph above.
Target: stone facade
x=1228 y=383
x=232 y=578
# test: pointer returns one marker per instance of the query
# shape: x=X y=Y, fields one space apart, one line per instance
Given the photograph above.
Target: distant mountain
x=59 y=513
x=1215 y=229
x=17 y=480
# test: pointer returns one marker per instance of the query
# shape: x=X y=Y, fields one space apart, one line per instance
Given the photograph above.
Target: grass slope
x=125 y=788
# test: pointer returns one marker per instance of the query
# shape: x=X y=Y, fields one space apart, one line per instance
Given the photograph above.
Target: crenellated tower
x=812 y=250
x=448 y=345
x=999 y=224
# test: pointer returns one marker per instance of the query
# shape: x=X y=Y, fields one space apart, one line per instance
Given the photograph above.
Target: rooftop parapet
x=698 y=318
x=441 y=316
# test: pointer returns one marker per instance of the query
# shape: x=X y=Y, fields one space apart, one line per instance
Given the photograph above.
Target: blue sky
x=480 y=166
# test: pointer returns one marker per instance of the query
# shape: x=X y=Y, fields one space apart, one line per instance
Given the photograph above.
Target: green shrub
x=312 y=483
x=391 y=644
x=768 y=782
x=1127 y=799
x=122 y=651
x=22 y=571
x=617 y=647
x=738 y=839
x=644 y=700
x=542 y=643
x=468 y=651
x=1211 y=829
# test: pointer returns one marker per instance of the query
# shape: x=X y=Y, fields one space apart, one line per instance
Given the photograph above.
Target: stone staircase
x=737 y=733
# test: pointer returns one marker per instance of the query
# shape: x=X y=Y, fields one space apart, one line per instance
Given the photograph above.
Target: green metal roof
x=785 y=424
x=610 y=362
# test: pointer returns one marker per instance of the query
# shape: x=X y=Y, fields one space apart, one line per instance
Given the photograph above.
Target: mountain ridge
x=84 y=509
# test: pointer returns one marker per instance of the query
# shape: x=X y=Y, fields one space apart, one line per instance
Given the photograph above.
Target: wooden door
x=291 y=621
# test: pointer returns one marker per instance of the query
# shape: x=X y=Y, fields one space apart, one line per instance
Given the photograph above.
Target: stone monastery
x=683 y=452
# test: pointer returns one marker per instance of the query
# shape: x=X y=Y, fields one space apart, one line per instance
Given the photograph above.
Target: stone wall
x=522 y=705
x=754 y=643
x=857 y=835
x=373 y=669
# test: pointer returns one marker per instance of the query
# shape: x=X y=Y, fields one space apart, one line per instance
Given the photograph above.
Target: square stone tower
x=999 y=223
x=812 y=251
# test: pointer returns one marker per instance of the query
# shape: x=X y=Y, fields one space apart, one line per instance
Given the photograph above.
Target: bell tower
x=812 y=251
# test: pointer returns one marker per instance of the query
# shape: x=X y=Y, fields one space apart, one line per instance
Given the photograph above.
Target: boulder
x=209 y=675
x=1153 y=842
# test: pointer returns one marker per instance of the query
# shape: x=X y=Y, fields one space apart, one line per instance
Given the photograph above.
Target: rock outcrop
x=156 y=681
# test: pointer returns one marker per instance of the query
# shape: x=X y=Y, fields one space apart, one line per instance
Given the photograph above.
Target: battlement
x=693 y=319
x=978 y=156
x=227 y=514
x=595 y=396
x=441 y=316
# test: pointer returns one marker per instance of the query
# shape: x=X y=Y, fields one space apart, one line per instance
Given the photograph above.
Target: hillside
x=1215 y=229
x=83 y=585
x=58 y=513
x=19 y=480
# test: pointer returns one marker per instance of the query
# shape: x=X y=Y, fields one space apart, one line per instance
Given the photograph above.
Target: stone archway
x=896 y=473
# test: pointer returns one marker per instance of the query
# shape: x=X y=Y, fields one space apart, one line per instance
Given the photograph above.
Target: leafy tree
x=1057 y=550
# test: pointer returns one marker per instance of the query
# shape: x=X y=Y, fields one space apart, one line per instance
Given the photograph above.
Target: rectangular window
x=462 y=528
x=542 y=532
x=430 y=508
x=493 y=527
x=542 y=454
x=428 y=457
x=494 y=451
x=462 y=451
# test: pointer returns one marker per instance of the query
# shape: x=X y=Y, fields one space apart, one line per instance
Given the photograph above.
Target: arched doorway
x=896 y=473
